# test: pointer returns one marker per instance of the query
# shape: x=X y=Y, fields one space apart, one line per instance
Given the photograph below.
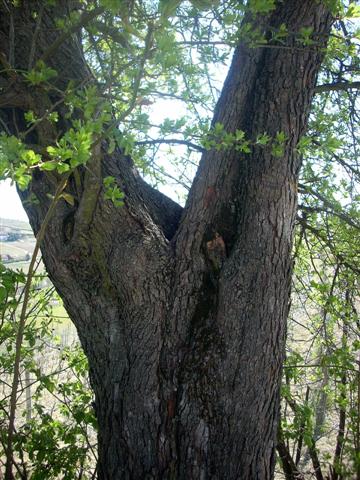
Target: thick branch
x=291 y=471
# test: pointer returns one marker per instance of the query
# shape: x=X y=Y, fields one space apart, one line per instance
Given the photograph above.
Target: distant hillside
x=7 y=224
x=16 y=242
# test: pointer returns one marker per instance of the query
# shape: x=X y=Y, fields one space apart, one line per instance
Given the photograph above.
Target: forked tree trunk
x=183 y=320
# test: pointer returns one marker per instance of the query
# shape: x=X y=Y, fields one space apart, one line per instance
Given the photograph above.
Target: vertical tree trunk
x=183 y=322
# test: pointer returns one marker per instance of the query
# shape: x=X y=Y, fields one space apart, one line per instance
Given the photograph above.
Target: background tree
x=181 y=313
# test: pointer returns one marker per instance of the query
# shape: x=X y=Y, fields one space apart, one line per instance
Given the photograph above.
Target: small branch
x=316 y=365
x=84 y=19
x=41 y=119
x=342 y=216
x=312 y=448
x=327 y=204
x=35 y=37
x=337 y=86
x=171 y=141
x=140 y=74
x=137 y=82
x=340 y=435
x=116 y=35
x=11 y=40
x=357 y=444
x=341 y=161
x=168 y=175
x=199 y=43
x=7 y=68
x=302 y=431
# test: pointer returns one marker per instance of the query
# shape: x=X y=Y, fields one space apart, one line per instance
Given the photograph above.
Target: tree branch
x=290 y=470
x=172 y=141
x=342 y=216
x=305 y=189
x=327 y=242
x=337 y=86
x=84 y=19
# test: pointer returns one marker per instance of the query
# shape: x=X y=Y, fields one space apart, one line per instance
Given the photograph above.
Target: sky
x=10 y=205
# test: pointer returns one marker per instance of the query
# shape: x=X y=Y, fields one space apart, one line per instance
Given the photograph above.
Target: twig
x=11 y=40
x=44 y=117
x=342 y=216
x=172 y=141
x=35 y=37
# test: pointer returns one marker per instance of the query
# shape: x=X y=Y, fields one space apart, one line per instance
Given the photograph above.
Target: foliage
x=55 y=429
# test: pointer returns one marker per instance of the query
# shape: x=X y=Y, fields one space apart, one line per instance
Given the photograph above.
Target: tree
x=181 y=312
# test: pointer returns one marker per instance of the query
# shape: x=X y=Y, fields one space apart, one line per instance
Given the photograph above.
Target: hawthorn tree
x=181 y=311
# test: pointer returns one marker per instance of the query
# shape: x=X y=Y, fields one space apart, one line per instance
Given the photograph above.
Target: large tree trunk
x=183 y=321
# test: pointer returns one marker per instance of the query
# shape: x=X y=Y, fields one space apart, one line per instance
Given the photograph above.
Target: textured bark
x=183 y=321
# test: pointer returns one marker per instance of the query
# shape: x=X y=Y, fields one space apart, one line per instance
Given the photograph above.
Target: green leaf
x=113 y=192
x=68 y=198
x=262 y=139
x=30 y=117
x=239 y=135
x=353 y=11
x=112 y=145
x=278 y=145
x=40 y=74
x=168 y=8
x=205 y=4
x=62 y=167
x=305 y=36
x=23 y=181
x=261 y=6
x=3 y=293
x=30 y=157
x=48 y=166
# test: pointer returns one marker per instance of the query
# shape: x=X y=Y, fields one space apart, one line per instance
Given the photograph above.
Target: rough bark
x=183 y=321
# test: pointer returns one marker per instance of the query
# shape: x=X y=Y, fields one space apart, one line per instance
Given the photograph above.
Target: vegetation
x=54 y=436
x=183 y=322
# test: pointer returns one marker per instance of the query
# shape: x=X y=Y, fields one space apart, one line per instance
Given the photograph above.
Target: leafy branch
x=21 y=327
